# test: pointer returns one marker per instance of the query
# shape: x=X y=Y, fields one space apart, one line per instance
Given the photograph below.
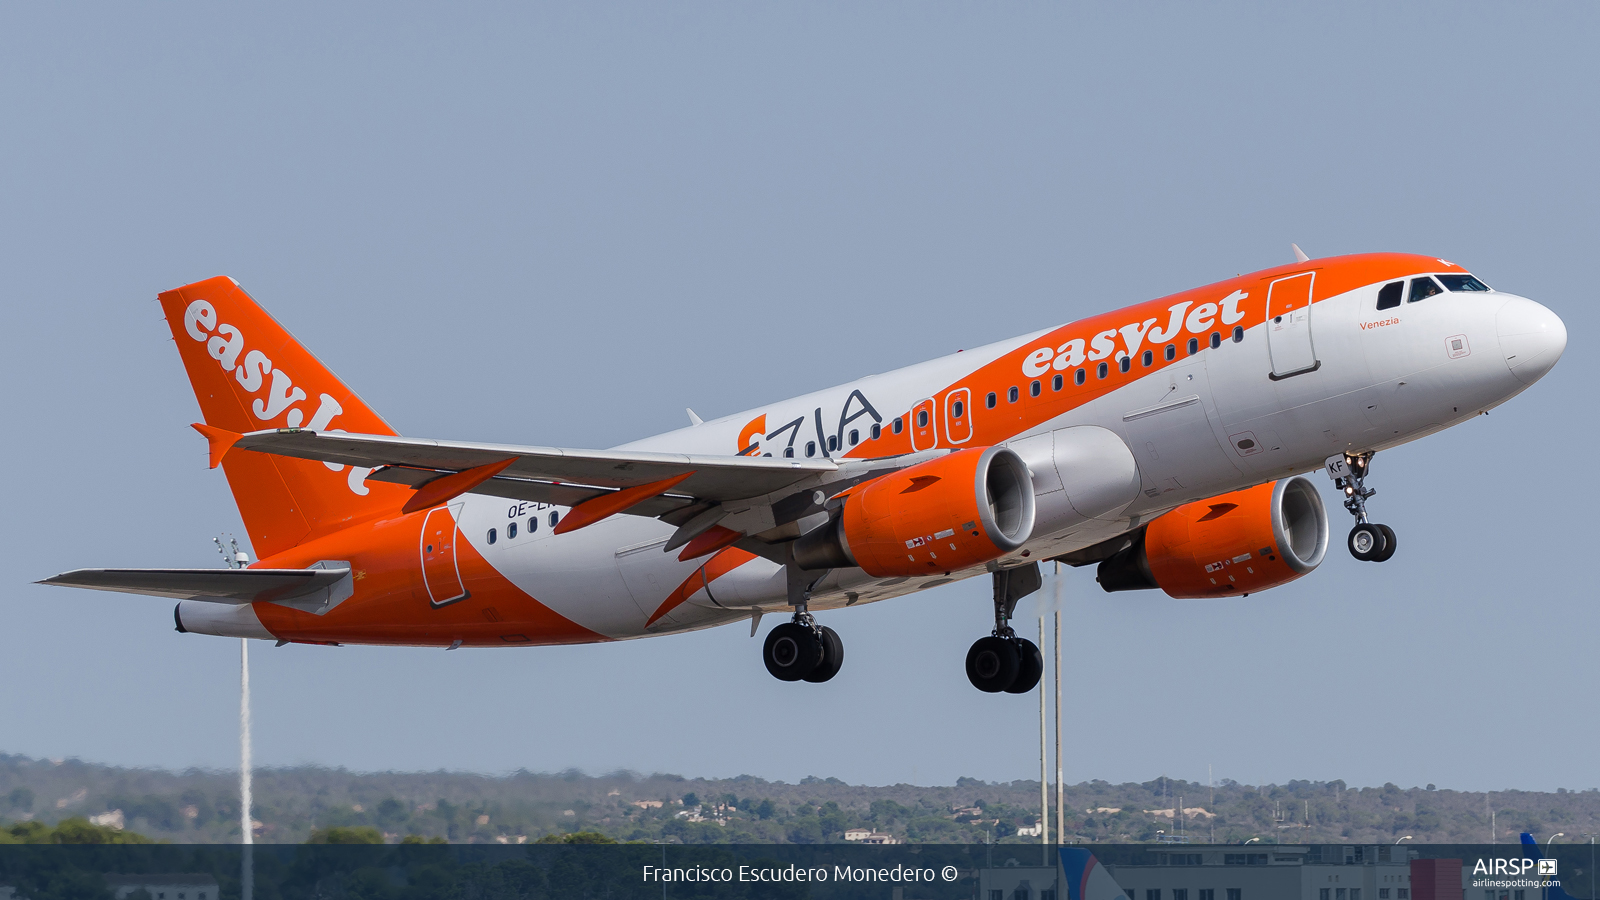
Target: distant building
x=857 y=834
x=1249 y=872
x=165 y=887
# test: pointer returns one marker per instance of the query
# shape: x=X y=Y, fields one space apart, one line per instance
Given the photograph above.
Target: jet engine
x=1228 y=545
x=959 y=510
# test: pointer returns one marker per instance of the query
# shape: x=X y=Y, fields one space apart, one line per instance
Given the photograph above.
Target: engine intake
x=962 y=509
x=1228 y=545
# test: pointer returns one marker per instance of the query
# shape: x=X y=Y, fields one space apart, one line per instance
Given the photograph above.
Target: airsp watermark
x=1501 y=872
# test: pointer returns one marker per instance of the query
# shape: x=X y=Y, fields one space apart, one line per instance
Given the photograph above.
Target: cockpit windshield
x=1458 y=283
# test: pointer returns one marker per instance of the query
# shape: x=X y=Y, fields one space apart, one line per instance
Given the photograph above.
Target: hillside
x=202 y=807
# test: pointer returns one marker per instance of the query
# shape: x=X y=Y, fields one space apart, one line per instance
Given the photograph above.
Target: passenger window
x=1078 y=377
x=1216 y=340
x=1423 y=287
x=492 y=535
x=811 y=449
x=1033 y=389
x=898 y=425
x=1101 y=371
x=1011 y=394
x=1057 y=382
x=1125 y=363
x=533 y=524
x=876 y=432
x=989 y=400
x=855 y=437
x=1238 y=333
x=958 y=408
x=1457 y=283
x=511 y=531
x=1147 y=359
x=922 y=418
x=833 y=442
x=1194 y=346
x=1171 y=352
x=1389 y=297
x=788 y=453
x=554 y=518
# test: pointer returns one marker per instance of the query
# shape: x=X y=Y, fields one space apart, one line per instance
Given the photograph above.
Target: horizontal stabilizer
x=221 y=585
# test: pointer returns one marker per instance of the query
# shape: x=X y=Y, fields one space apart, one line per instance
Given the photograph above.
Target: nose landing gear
x=1003 y=661
x=1368 y=541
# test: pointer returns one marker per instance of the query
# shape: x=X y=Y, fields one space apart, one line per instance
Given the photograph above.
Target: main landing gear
x=1002 y=661
x=800 y=649
x=1368 y=541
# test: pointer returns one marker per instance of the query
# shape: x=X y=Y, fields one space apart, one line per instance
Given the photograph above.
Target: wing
x=743 y=495
x=716 y=478
x=224 y=585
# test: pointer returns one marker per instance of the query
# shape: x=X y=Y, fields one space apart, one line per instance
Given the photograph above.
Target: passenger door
x=440 y=573
x=1289 y=325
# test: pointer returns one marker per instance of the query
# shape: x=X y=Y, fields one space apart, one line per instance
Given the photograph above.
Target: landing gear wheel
x=832 y=657
x=993 y=663
x=1366 y=542
x=1389 y=544
x=1029 y=671
x=792 y=651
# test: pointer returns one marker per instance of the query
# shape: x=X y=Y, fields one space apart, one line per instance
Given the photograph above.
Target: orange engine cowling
x=962 y=509
x=1229 y=545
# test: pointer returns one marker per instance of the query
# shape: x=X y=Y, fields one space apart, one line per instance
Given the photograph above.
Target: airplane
x=1166 y=443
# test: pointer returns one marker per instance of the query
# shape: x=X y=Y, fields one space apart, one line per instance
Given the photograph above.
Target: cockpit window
x=1389 y=297
x=1462 y=283
x=1423 y=287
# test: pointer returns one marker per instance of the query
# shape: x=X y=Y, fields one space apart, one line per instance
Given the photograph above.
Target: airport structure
x=1250 y=872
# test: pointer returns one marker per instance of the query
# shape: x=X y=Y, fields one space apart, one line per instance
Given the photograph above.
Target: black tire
x=832 y=657
x=1389 y=544
x=1030 y=670
x=1365 y=542
x=992 y=664
x=791 y=652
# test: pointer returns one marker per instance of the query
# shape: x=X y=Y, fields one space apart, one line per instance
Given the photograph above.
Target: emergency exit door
x=440 y=573
x=1289 y=325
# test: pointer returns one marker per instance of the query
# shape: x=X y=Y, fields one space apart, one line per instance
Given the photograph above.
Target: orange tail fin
x=249 y=374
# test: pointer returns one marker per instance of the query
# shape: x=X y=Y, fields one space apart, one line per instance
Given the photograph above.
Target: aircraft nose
x=1532 y=338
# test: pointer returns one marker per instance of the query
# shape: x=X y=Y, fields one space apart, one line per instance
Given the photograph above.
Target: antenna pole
x=1061 y=790
x=247 y=875
x=1044 y=778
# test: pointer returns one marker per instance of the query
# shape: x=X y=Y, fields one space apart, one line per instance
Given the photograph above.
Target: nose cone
x=1532 y=338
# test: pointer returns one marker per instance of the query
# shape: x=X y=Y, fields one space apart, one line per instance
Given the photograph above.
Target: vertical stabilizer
x=249 y=374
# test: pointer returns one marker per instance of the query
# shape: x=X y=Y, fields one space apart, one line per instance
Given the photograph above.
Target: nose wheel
x=1004 y=662
x=1368 y=541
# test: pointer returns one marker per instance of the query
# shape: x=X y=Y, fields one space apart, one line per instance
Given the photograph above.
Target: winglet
x=607 y=505
x=448 y=487
x=1299 y=255
x=221 y=440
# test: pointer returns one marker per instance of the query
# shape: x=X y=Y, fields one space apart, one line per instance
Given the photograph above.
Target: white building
x=1211 y=872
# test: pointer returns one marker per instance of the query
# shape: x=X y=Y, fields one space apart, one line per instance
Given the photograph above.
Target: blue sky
x=562 y=224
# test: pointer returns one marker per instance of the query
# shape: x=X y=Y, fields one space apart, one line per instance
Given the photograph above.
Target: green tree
x=365 y=834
